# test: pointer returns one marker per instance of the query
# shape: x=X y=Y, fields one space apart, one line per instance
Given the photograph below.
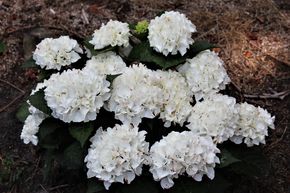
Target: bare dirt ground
x=255 y=45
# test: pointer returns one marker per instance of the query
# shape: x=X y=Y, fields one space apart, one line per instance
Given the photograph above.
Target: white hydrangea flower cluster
x=205 y=74
x=134 y=95
x=32 y=122
x=108 y=63
x=76 y=96
x=180 y=153
x=176 y=98
x=216 y=116
x=31 y=126
x=143 y=93
x=114 y=33
x=253 y=125
x=171 y=33
x=117 y=155
x=55 y=53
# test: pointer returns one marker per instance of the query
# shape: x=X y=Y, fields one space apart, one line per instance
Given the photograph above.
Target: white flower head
x=253 y=125
x=216 y=116
x=75 y=95
x=171 y=33
x=108 y=63
x=176 y=98
x=38 y=87
x=205 y=74
x=180 y=153
x=33 y=121
x=117 y=155
x=31 y=126
x=134 y=95
x=55 y=53
x=114 y=33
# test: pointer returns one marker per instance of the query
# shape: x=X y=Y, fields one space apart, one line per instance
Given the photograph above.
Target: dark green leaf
x=253 y=161
x=2 y=47
x=227 y=159
x=139 y=185
x=160 y=13
x=110 y=78
x=144 y=53
x=23 y=112
x=45 y=74
x=50 y=133
x=37 y=100
x=132 y=26
x=188 y=185
x=95 y=186
x=48 y=126
x=96 y=52
x=30 y=63
x=73 y=156
x=48 y=163
x=81 y=132
x=199 y=46
x=50 y=142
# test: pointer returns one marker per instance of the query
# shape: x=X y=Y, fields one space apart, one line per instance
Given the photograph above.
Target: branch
x=276 y=95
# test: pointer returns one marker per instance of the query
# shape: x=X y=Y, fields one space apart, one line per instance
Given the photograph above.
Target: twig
x=272 y=145
x=277 y=95
x=58 y=187
x=275 y=58
x=207 y=32
x=85 y=17
x=35 y=170
x=43 y=188
x=270 y=55
x=10 y=103
x=15 y=99
x=238 y=90
x=62 y=28
x=12 y=85
x=17 y=30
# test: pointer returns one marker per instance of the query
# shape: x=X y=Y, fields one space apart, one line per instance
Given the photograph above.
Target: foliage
x=144 y=53
x=22 y=112
x=37 y=100
x=66 y=144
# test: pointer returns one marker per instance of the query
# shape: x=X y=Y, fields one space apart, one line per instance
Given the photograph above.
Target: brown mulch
x=255 y=45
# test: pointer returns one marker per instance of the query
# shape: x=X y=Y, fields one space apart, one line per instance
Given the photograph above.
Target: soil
x=253 y=36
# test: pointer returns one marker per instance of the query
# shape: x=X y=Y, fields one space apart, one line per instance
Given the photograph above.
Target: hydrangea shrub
x=140 y=102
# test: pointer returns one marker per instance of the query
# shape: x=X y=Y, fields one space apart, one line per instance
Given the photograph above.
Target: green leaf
x=253 y=161
x=23 y=112
x=227 y=159
x=94 y=52
x=30 y=63
x=139 y=185
x=45 y=74
x=144 y=53
x=199 y=46
x=160 y=13
x=48 y=164
x=111 y=78
x=48 y=136
x=73 y=156
x=95 y=186
x=48 y=126
x=187 y=185
x=37 y=100
x=81 y=132
x=2 y=47
x=132 y=26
